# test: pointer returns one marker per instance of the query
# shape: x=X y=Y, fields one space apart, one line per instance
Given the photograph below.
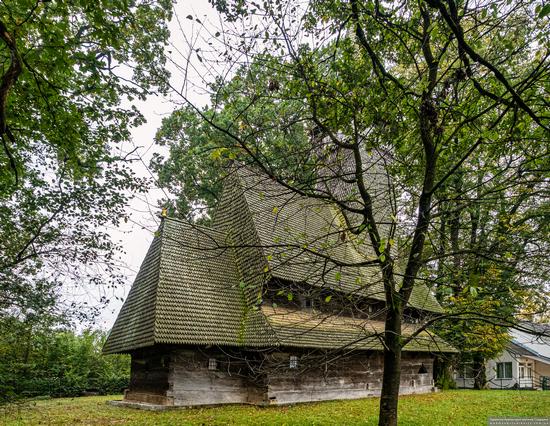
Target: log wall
x=181 y=376
x=149 y=377
x=359 y=376
x=192 y=383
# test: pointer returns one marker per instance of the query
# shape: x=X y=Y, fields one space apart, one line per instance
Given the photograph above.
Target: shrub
x=57 y=363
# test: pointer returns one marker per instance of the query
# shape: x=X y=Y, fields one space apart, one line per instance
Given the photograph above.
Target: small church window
x=306 y=301
x=212 y=364
x=293 y=361
x=423 y=369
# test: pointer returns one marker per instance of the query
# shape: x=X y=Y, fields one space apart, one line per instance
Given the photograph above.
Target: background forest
x=36 y=360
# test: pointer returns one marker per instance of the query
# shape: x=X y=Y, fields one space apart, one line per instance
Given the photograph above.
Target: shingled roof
x=200 y=285
x=300 y=237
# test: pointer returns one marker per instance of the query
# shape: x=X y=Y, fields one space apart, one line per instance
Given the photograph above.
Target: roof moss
x=200 y=285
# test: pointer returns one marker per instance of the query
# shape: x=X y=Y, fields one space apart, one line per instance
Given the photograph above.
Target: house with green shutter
x=523 y=364
x=261 y=308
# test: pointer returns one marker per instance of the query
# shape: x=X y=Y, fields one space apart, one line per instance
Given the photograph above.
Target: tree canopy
x=69 y=74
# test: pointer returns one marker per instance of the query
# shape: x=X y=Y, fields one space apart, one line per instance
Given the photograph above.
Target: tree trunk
x=392 y=370
x=27 y=349
x=480 y=376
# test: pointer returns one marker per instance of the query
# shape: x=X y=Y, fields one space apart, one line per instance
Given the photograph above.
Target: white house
x=525 y=364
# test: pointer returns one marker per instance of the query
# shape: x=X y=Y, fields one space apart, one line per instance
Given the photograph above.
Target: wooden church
x=255 y=308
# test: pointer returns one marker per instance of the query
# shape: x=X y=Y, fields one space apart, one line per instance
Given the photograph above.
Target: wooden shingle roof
x=299 y=236
x=312 y=329
x=203 y=286
x=186 y=292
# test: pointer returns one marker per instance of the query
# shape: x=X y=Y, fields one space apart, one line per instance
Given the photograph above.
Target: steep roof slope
x=135 y=324
x=186 y=292
x=302 y=240
x=203 y=286
x=199 y=298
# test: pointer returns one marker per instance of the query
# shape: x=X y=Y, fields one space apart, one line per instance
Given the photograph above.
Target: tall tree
x=448 y=98
x=194 y=170
x=489 y=249
x=68 y=75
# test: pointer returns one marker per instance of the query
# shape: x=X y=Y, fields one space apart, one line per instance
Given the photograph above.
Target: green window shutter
x=508 y=370
x=504 y=370
x=500 y=370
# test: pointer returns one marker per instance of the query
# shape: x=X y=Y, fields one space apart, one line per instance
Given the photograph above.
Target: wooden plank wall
x=359 y=376
x=149 y=377
x=180 y=376
x=192 y=383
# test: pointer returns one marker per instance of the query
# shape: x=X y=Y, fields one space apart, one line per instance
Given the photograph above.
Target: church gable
x=303 y=239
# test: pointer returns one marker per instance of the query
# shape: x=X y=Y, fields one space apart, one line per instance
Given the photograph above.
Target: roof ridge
x=249 y=211
x=240 y=186
x=160 y=232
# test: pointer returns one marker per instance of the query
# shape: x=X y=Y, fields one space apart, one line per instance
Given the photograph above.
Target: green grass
x=461 y=407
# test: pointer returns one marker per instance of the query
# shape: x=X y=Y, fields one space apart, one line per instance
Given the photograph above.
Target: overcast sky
x=137 y=234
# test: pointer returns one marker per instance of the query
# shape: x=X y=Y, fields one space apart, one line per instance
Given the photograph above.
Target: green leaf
x=216 y=154
x=290 y=297
x=328 y=299
x=338 y=276
x=544 y=11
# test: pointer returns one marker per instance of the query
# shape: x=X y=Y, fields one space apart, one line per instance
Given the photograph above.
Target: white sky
x=137 y=234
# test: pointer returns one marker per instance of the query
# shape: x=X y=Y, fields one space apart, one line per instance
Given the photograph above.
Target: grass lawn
x=460 y=407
